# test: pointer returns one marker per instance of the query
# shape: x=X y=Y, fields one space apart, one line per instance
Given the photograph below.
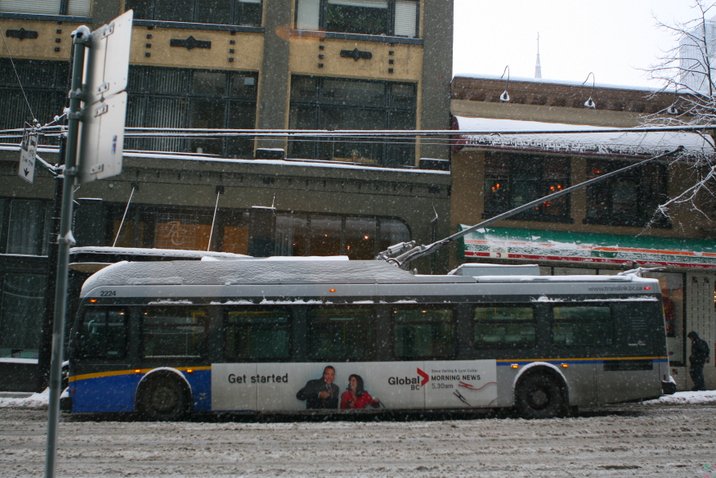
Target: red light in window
x=648 y=287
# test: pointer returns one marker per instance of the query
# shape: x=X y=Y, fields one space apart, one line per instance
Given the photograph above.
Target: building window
x=47 y=7
x=334 y=103
x=516 y=179
x=186 y=98
x=25 y=226
x=370 y=17
x=22 y=307
x=326 y=235
x=628 y=199
x=296 y=234
x=181 y=228
x=45 y=83
x=229 y=12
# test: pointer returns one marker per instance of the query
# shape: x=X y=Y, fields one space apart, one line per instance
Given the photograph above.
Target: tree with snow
x=689 y=70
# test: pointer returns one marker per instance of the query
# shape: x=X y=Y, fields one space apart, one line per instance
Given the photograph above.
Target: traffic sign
x=28 y=154
x=105 y=105
x=102 y=138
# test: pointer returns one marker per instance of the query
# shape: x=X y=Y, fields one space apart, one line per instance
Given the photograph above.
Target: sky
x=613 y=39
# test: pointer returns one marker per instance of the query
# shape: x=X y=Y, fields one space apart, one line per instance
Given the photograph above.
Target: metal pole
x=80 y=38
x=45 y=352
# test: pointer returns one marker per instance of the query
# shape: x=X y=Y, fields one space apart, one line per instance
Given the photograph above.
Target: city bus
x=165 y=340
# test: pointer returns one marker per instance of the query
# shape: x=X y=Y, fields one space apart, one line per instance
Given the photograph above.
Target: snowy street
x=670 y=437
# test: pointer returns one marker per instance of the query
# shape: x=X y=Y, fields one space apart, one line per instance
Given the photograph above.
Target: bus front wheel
x=162 y=398
x=539 y=395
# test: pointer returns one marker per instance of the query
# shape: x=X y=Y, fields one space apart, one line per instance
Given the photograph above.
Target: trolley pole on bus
x=404 y=253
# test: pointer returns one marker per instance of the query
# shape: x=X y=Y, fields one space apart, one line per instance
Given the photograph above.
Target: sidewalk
x=15 y=394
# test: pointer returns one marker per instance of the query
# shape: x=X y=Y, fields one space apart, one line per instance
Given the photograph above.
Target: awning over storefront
x=534 y=136
x=588 y=249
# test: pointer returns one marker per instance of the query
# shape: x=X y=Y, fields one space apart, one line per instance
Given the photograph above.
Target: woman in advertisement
x=356 y=397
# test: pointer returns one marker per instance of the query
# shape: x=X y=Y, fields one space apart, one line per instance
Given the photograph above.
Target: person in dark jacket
x=321 y=392
x=697 y=359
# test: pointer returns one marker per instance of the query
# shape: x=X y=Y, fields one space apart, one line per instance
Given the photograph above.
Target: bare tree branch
x=688 y=71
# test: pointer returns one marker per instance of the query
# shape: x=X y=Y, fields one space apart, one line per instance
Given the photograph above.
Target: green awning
x=569 y=248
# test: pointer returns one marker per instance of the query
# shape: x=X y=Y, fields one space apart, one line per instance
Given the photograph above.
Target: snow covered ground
x=672 y=436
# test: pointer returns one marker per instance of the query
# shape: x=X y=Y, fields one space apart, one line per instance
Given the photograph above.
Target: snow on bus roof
x=277 y=271
x=254 y=271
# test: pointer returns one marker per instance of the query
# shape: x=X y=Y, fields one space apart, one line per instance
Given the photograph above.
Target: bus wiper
x=404 y=253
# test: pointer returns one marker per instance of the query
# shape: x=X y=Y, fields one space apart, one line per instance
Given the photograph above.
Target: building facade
x=239 y=65
x=606 y=228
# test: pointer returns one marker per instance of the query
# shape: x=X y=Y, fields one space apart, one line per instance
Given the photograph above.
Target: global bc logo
x=415 y=383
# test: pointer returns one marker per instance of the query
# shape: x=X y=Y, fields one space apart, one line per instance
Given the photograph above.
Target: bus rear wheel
x=163 y=398
x=540 y=396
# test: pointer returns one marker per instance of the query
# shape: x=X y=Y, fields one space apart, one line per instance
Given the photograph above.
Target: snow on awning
x=577 y=249
x=593 y=143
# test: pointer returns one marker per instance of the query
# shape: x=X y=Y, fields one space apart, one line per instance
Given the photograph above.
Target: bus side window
x=582 y=325
x=252 y=334
x=504 y=325
x=637 y=329
x=341 y=333
x=174 y=331
x=423 y=332
x=103 y=333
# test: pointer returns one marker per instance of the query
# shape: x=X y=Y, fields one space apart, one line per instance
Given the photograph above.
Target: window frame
x=171 y=96
x=234 y=14
x=323 y=10
x=360 y=318
x=593 y=342
x=447 y=351
x=330 y=103
x=259 y=315
x=170 y=313
x=72 y=8
x=82 y=338
x=649 y=185
x=506 y=176
x=505 y=321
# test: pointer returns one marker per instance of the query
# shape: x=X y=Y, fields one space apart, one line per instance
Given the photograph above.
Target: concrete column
x=437 y=72
x=274 y=77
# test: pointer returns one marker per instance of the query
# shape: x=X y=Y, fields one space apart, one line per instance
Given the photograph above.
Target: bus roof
x=284 y=271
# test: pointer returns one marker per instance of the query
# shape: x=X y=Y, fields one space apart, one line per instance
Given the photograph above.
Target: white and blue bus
x=170 y=339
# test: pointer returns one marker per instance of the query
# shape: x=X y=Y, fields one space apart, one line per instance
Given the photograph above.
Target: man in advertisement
x=321 y=392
